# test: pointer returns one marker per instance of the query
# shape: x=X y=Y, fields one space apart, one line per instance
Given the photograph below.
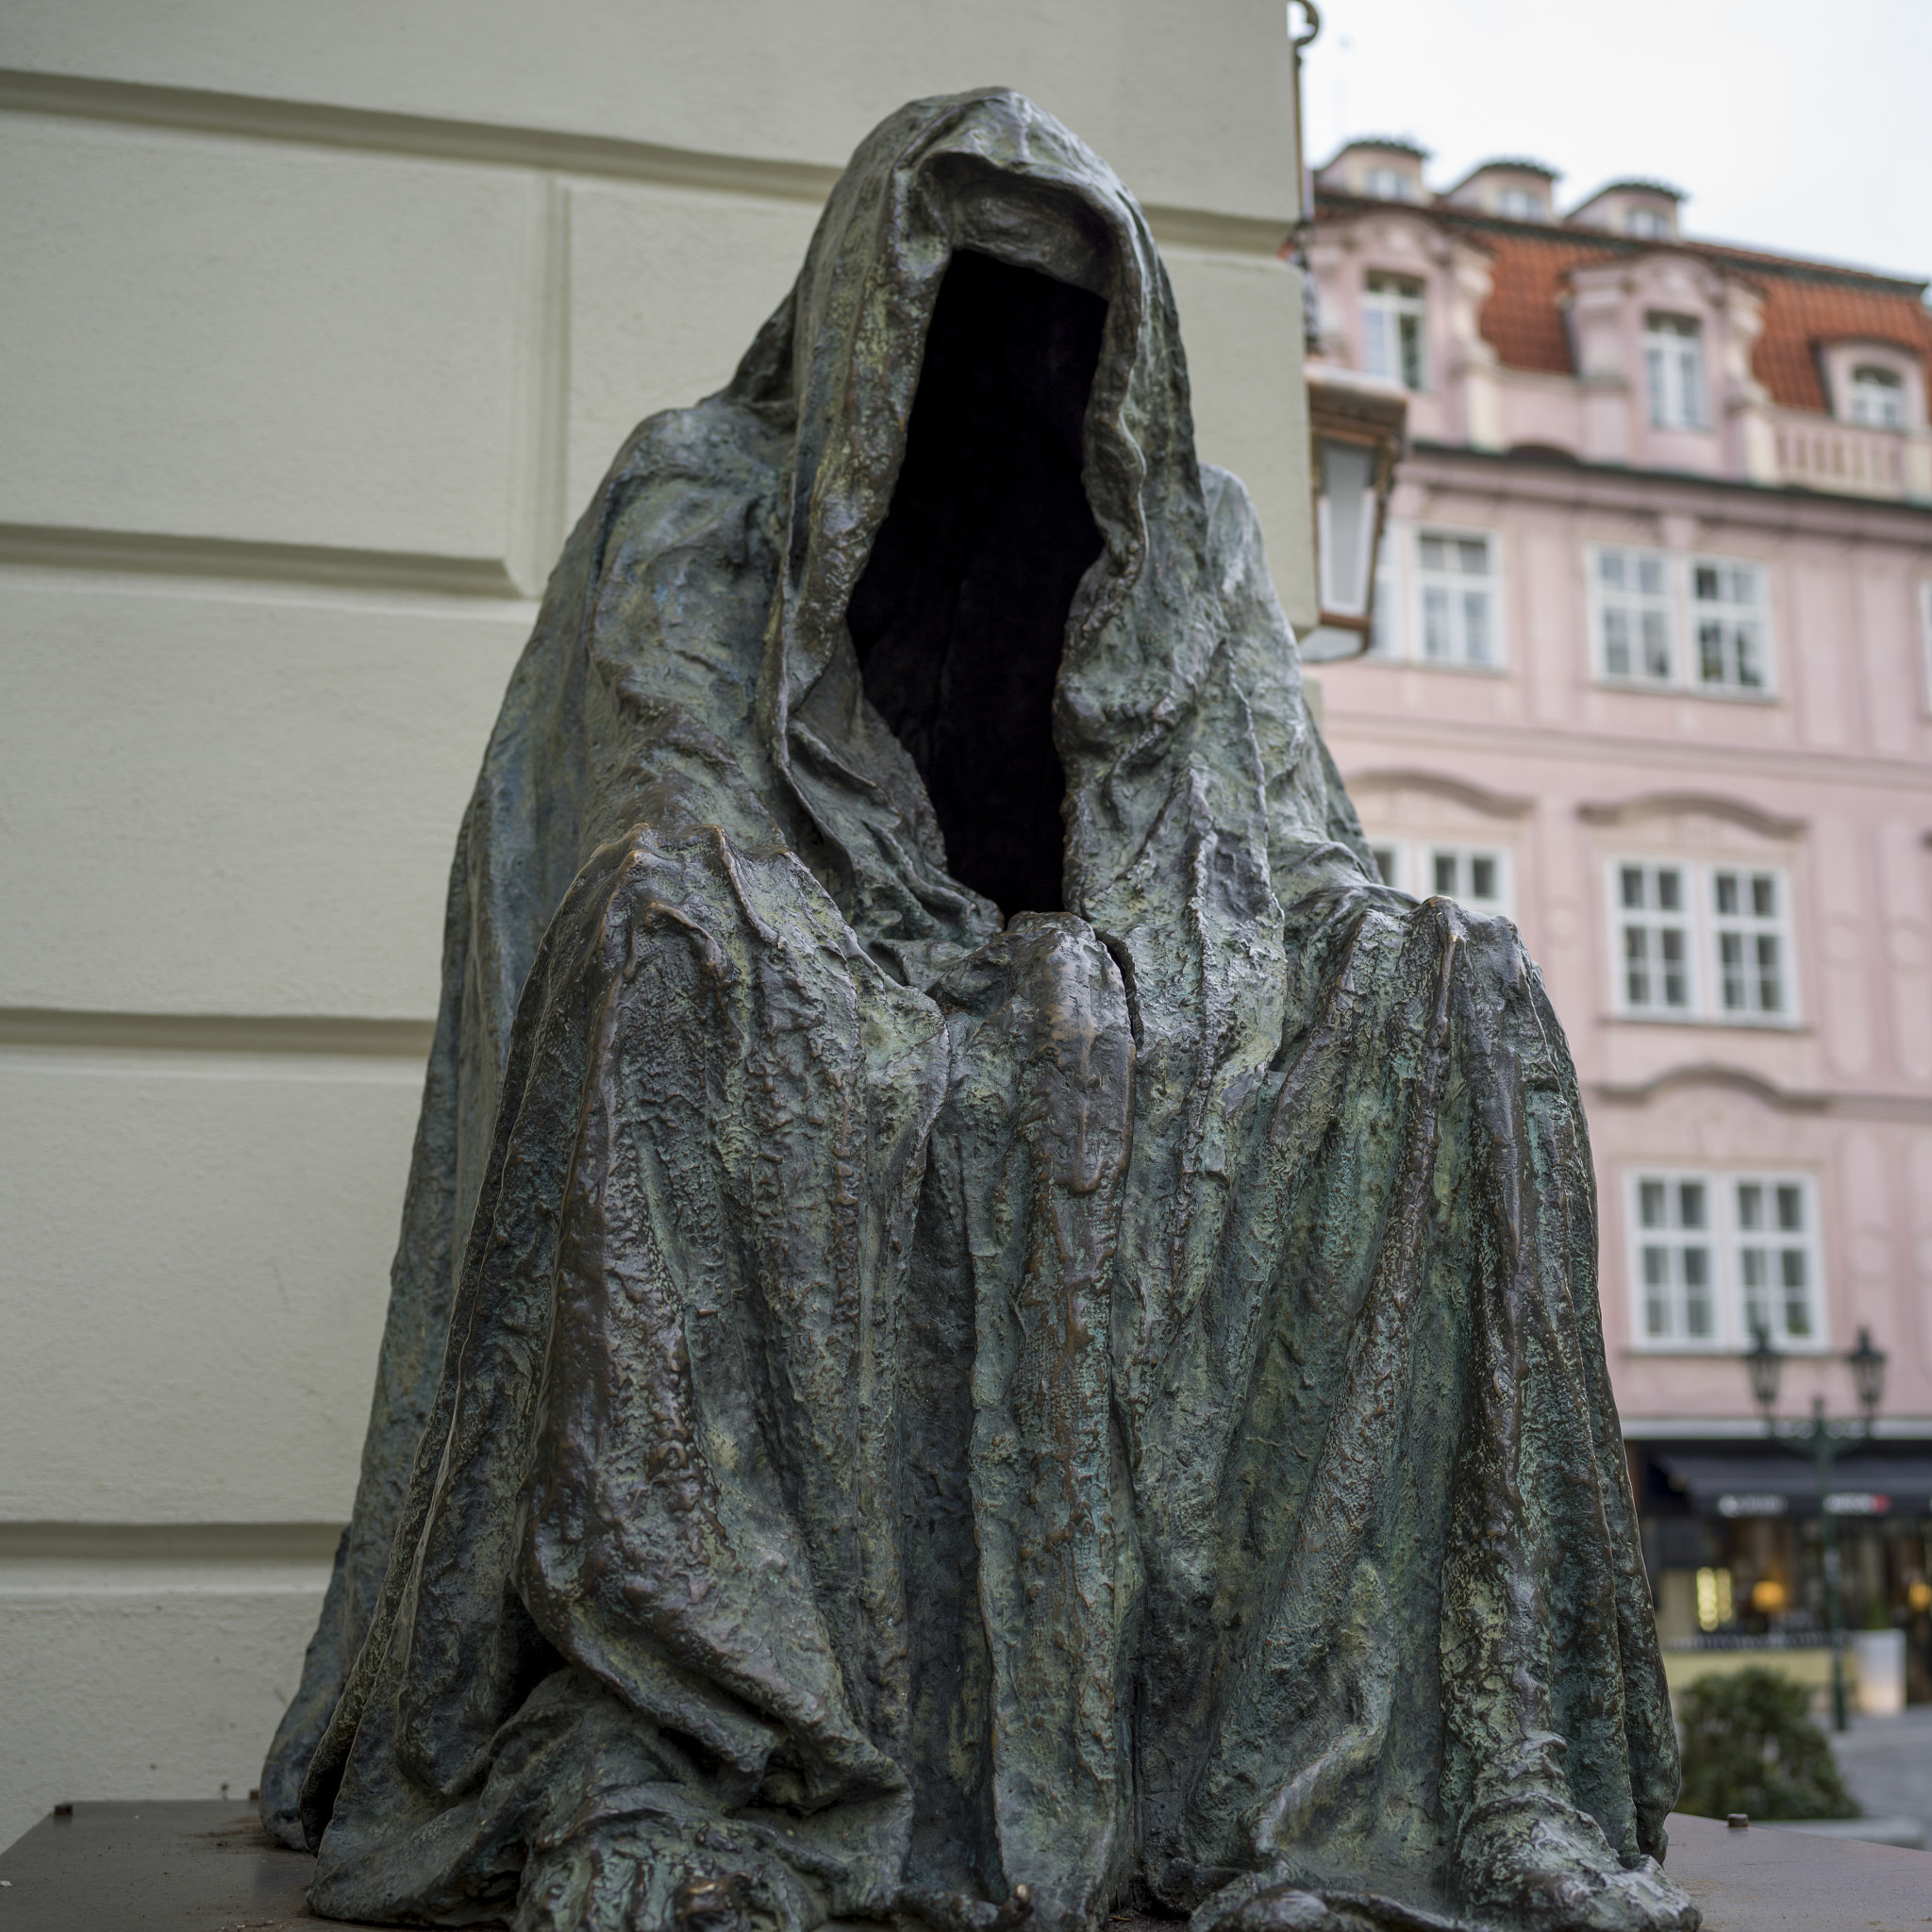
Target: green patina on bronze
x=986 y=1325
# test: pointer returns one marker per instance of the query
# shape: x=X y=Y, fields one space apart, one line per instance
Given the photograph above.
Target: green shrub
x=1750 y=1745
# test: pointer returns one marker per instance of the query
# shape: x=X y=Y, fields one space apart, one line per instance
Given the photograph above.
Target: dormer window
x=1673 y=367
x=1388 y=184
x=1877 y=397
x=1646 y=223
x=1394 y=311
x=1519 y=204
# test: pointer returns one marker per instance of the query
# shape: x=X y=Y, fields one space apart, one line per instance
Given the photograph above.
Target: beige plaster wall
x=322 y=318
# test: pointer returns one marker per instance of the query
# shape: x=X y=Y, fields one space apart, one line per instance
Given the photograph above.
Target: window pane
x=1650 y=576
x=1617 y=644
x=1791 y=1210
x=1730 y=946
x=1657 y=648
x=1771 y=986
x=1609 y=567
x=1435 y=621
x=1750 y=669
x=1411 y=326
x=1384 y=856
x=1676 y=981
x=1482 y=877
x=1432 y=553
x=1475 y=556
x=1764 y=896
x=1378 y=357
x=1749 y=1205
x=1636 y=966
x=1445 y=874
x=1475 y=626
x=1756 y=1273
x=1633 y=887
x=1791 y=1267
x=1710 y=653
x=1705 y=580
x=1669 y=889
x=1650 y=1196
x=1727 y=883
x=1690 y=1204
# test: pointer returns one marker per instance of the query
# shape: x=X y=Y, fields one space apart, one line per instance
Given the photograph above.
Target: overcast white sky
x=1799 y=125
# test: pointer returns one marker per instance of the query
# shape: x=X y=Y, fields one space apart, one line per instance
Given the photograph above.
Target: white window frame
x=1876 y=397
x=1655 y=938
x=1742 y=930
x=1432 y=853
x=1703 y=928
x=1394 y=307
x=1662 y=1250
x=1413 y=870
x=1389 y=634
x=1447 y=581
x=1728 y=616
x=1674 y=377
x=1685 y=618
x=1638 y=607
x=1925 y=640
x=1387 y=184
x=1738 y=1256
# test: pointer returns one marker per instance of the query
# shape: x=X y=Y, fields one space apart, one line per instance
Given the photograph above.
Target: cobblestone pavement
x=1888 y=1763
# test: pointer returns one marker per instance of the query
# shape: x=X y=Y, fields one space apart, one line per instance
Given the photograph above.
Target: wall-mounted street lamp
x=1819 y=1438
x=1356 y=432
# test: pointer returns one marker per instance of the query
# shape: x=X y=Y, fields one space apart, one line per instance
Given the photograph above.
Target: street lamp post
x=1821 y=1439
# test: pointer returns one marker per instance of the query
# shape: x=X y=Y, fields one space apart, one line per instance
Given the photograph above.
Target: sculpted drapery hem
x=885 y=1404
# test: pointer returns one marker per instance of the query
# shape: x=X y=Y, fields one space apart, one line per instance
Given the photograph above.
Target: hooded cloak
x=985 y=1323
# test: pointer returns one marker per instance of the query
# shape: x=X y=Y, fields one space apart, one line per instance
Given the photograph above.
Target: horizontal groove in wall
x=170 y=1543
x=64 y=547
x=492 y=145
x=47 y=1027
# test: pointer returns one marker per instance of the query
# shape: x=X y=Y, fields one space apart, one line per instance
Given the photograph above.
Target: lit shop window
x=1705 y=943
x=1878 y=397
x=1394 y=317
x=1716 y=1257
x=1634 y=623
x=1458 y=599
x=1727 y=607
x=1674 y=371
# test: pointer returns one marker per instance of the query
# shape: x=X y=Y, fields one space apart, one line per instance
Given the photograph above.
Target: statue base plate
x=188 y=1866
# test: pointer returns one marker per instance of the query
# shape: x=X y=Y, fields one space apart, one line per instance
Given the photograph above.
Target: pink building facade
x=1652 y=675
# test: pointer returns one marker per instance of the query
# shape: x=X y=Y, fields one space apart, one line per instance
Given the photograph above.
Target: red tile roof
x=1806 y=303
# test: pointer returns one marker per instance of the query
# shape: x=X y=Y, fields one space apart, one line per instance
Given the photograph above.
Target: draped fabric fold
x=945 y=1361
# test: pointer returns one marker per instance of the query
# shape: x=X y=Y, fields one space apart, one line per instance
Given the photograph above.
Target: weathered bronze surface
x=892 y=1410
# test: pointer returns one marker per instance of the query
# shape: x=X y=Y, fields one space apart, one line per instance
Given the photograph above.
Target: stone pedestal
x=193 y=1867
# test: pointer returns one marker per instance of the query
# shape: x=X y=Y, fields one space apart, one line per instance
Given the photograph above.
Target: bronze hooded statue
x=986 y=1325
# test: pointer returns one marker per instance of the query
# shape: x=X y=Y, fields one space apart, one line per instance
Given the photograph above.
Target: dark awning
x=1883 y=1480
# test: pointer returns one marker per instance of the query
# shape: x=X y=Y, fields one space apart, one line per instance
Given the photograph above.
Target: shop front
x=1736 y=1542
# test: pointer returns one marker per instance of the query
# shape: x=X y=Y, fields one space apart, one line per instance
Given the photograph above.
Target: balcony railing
x=1847 y=459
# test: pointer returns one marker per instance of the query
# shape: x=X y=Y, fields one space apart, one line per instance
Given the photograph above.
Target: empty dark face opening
x=959 y=616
